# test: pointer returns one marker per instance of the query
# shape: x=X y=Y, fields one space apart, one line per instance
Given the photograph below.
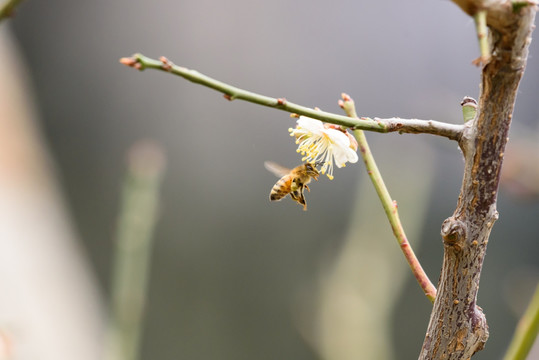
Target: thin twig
x=390 y=206
x=414 y=126
x=480 y=19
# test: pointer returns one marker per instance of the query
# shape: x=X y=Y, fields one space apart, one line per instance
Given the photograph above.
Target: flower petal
x=324 y=145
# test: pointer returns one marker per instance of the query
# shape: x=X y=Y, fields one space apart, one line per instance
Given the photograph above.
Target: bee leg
x=306 y=187
x=302 y=201
x=298 y=196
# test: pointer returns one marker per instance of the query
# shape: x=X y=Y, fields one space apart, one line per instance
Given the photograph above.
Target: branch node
x=129 y=61
x=134 y=61
x=453 y=233
x=281 y=101
x=167 y=64
x=347 y=104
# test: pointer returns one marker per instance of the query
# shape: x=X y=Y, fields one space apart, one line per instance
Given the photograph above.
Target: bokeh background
x=233 y=276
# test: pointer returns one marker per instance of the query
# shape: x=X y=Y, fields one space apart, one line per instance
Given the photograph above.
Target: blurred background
x=233 y=276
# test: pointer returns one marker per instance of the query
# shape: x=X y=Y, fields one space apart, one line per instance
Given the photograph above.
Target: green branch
x=390 y=206
x=415 y=126
x=480 y=19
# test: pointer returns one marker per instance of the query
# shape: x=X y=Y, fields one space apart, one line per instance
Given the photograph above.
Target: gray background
x=227 y=264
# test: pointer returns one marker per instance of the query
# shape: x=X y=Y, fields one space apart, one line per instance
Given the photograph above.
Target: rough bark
x=458 y=327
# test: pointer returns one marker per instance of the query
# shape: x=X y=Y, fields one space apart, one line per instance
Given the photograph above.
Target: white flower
x=323 y=144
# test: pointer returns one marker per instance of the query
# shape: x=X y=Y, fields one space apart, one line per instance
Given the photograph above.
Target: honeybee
x=292 y=181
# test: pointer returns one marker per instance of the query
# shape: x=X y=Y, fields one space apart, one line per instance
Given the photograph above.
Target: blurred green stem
x=133 y=249
x=8 y=8
x=414 y=126
x=390 y=206
x=526 y=331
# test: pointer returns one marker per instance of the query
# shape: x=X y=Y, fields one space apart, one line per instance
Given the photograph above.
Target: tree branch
x=413 y=126
x=458 y=327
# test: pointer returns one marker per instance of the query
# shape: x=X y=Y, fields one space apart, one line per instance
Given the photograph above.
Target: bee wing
x=276 y=169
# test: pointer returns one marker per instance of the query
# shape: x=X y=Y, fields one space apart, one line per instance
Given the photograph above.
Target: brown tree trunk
x=458 y=327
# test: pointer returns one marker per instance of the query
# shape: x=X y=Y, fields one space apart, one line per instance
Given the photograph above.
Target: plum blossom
x=324 y=144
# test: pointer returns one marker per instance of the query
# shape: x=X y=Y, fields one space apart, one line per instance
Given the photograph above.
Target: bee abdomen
x=279 y=190
x=277 y=194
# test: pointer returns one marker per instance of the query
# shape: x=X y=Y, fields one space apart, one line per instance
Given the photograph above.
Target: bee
x=292 y=181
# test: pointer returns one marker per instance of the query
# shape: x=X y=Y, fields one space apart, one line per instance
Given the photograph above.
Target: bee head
x=311 y=168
